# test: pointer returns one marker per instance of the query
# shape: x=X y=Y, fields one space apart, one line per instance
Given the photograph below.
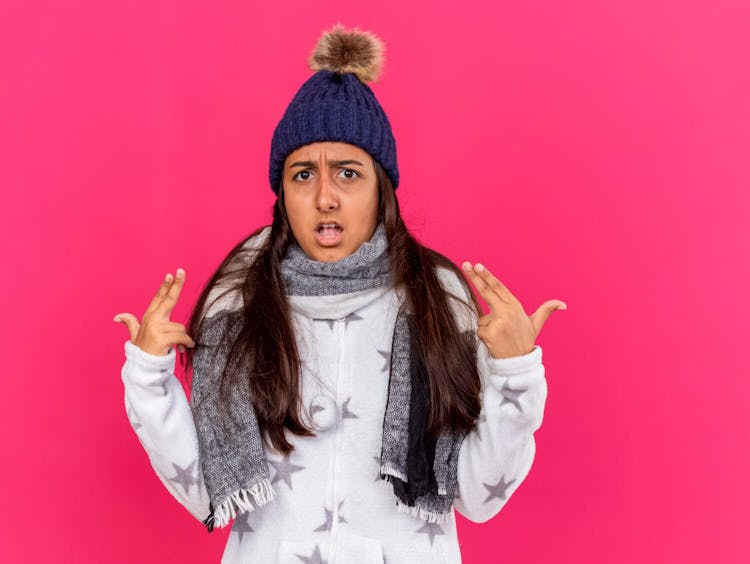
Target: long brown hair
x=264 y=353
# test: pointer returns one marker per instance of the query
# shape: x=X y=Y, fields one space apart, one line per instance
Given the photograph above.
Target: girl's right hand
x=155 y=333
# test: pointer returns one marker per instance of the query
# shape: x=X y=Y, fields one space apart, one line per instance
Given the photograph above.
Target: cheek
x=367 y=203
x=296 y=209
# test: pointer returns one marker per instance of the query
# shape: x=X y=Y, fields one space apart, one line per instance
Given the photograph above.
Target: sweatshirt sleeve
x=159 y=413
x=496 y=456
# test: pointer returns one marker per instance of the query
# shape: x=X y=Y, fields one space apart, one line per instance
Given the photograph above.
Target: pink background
x=595 y=152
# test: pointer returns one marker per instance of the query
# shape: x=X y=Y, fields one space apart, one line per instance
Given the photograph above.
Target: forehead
x=329 y=150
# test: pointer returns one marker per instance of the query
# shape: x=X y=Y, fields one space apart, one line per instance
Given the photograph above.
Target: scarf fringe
x=244 y=499
x=388 y=469
x=422 y=513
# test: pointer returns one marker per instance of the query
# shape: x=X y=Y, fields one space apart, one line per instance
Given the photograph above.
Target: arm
x=155 y=402
x=496 y=456
x=161 y=417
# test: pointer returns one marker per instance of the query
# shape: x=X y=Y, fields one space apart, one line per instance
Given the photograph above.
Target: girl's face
x=331 y=198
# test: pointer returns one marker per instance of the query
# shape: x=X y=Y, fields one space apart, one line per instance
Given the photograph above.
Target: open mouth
x=328 y=232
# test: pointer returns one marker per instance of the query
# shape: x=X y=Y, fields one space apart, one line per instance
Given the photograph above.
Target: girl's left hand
x=507 y=330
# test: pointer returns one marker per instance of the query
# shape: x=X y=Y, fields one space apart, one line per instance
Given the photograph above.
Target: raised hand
x=506 y=330
x=155 y=333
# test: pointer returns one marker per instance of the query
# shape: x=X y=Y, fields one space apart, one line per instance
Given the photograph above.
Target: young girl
x=347 y=394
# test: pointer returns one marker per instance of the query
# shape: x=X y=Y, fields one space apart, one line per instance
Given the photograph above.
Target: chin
x=326 y=254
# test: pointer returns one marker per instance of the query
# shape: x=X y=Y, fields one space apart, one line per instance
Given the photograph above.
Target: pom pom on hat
x=340 y=50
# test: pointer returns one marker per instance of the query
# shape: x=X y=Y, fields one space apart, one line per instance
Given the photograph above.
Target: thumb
x=130 y=321
x=541 y=315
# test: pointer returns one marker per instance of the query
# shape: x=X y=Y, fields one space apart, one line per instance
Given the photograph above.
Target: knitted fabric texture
x=423 y=473
x=333 y=106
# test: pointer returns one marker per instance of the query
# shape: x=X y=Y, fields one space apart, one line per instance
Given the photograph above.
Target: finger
x=169 y=326
x=170 y=300
x=492 y=299
x=482 y=333
x=541 y=315
x=130 y=321
x=181 y=348
x=485 y=320
x=160 y=294
x=498 y=287
x=173 y=328
x=165 y=341
x=178 y=338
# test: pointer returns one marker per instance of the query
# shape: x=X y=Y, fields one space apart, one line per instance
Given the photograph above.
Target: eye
x=296 y=176
x=354 y=172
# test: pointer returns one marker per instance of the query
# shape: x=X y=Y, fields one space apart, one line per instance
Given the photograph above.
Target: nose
x=326 y=198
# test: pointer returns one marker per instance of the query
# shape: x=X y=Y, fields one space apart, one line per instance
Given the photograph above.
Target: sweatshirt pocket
x=295 y=552
x=425 y=557
x=349 y=549
x=358 y=549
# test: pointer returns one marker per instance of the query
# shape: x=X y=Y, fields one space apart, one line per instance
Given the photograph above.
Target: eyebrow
x=311 y=164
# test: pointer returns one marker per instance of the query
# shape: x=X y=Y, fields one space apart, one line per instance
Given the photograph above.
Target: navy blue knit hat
x=336 y=104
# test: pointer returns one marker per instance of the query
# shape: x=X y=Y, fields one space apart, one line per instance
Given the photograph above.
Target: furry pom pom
x=340 y=50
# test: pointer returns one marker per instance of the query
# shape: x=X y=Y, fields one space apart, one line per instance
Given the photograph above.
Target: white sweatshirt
x=330 y=505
